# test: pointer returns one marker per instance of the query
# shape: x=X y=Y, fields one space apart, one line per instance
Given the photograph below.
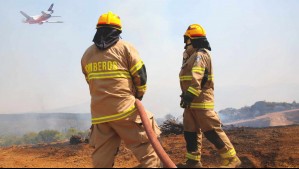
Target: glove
x=139 y=98
x=187 y=99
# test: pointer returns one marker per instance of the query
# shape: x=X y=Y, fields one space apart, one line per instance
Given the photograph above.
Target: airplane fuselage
x=38 y=19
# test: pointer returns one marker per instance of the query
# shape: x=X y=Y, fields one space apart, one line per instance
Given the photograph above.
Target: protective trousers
x=207 y=122
x=106 y=139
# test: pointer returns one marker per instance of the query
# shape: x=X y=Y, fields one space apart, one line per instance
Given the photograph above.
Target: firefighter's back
x=109 y=79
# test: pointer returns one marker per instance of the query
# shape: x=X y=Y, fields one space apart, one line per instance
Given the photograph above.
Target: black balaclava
x=106 y=37
x=201 y=42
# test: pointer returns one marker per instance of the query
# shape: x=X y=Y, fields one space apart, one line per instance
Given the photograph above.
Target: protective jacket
x=116 y=76
x=196 y=77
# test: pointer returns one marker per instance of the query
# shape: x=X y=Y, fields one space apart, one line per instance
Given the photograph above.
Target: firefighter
x=197 y=99
x=116 y=76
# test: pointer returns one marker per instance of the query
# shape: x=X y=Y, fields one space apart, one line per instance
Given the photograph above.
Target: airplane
x=40 y=19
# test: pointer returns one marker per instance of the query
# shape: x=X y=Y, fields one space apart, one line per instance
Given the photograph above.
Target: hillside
x=283 y=118
x=258 y=148
x=258 y=109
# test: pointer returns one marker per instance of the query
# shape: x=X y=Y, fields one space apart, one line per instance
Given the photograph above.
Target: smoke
x=20 y=124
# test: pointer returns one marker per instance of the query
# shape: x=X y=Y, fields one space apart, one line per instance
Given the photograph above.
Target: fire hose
x=167 y=162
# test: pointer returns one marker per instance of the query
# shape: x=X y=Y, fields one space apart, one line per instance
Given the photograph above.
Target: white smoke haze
x=20 y=124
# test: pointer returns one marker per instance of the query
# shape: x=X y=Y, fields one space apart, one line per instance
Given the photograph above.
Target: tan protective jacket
x=196 y=69
x=113 y=79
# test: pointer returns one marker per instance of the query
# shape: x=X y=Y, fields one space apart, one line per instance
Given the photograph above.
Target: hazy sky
x=255 y=46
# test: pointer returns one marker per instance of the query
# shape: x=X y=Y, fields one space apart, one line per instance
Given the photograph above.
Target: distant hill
x=283 y=118
x=19 y=124
x=262 y=114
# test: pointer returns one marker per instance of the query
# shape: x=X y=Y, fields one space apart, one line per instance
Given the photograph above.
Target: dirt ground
x=257 y=148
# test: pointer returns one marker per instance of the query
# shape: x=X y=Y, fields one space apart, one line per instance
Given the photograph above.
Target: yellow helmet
x=195 y=31
x=109 y=20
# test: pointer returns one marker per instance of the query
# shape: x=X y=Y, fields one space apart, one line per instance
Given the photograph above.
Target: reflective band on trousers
x=193 y=157
x=207 y=105
x=229 y=154
x=109 y=75
x=193 y=91
x=136 y=67
x=114 y=117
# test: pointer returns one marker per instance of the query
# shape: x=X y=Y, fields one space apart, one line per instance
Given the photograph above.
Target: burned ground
x=269 y=147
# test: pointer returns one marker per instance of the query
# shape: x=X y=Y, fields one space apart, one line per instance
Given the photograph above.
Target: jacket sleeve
x=138 y=73
x=198 y=73
x=84 y=70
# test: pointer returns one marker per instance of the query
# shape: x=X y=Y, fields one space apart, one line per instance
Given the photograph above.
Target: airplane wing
x=52 y=22
x=26 y=16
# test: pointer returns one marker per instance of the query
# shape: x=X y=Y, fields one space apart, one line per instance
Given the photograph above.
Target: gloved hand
x=139 y=98
x=187 y=99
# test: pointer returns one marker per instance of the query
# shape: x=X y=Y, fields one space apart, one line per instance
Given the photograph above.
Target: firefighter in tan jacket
x=116 y=76
x=197 y=84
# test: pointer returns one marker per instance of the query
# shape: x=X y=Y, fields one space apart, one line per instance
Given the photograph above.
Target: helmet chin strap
x=187 y=45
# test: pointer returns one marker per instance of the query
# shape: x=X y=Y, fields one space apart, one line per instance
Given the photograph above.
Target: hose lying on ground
x=167 y=162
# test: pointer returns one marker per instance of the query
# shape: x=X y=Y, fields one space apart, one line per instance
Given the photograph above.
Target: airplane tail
x=51 y=8
x=25 y=15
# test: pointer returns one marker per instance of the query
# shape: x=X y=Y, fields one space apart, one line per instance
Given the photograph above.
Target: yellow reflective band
x=193 y=91
x=185 y=78
x=211 y=77
x=229 y=154
x=136 y=67
x=110 y=72
x=202 y=105
x=197 y=69
x=141 y=88
x=109 y=75
x=115 y=117
x=193 y=157
x=225 y=162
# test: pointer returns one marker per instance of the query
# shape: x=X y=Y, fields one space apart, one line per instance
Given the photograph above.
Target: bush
x=172 y=126
x=11 y=140
x=48 y=136
x=70 y=132
x=30 y=138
